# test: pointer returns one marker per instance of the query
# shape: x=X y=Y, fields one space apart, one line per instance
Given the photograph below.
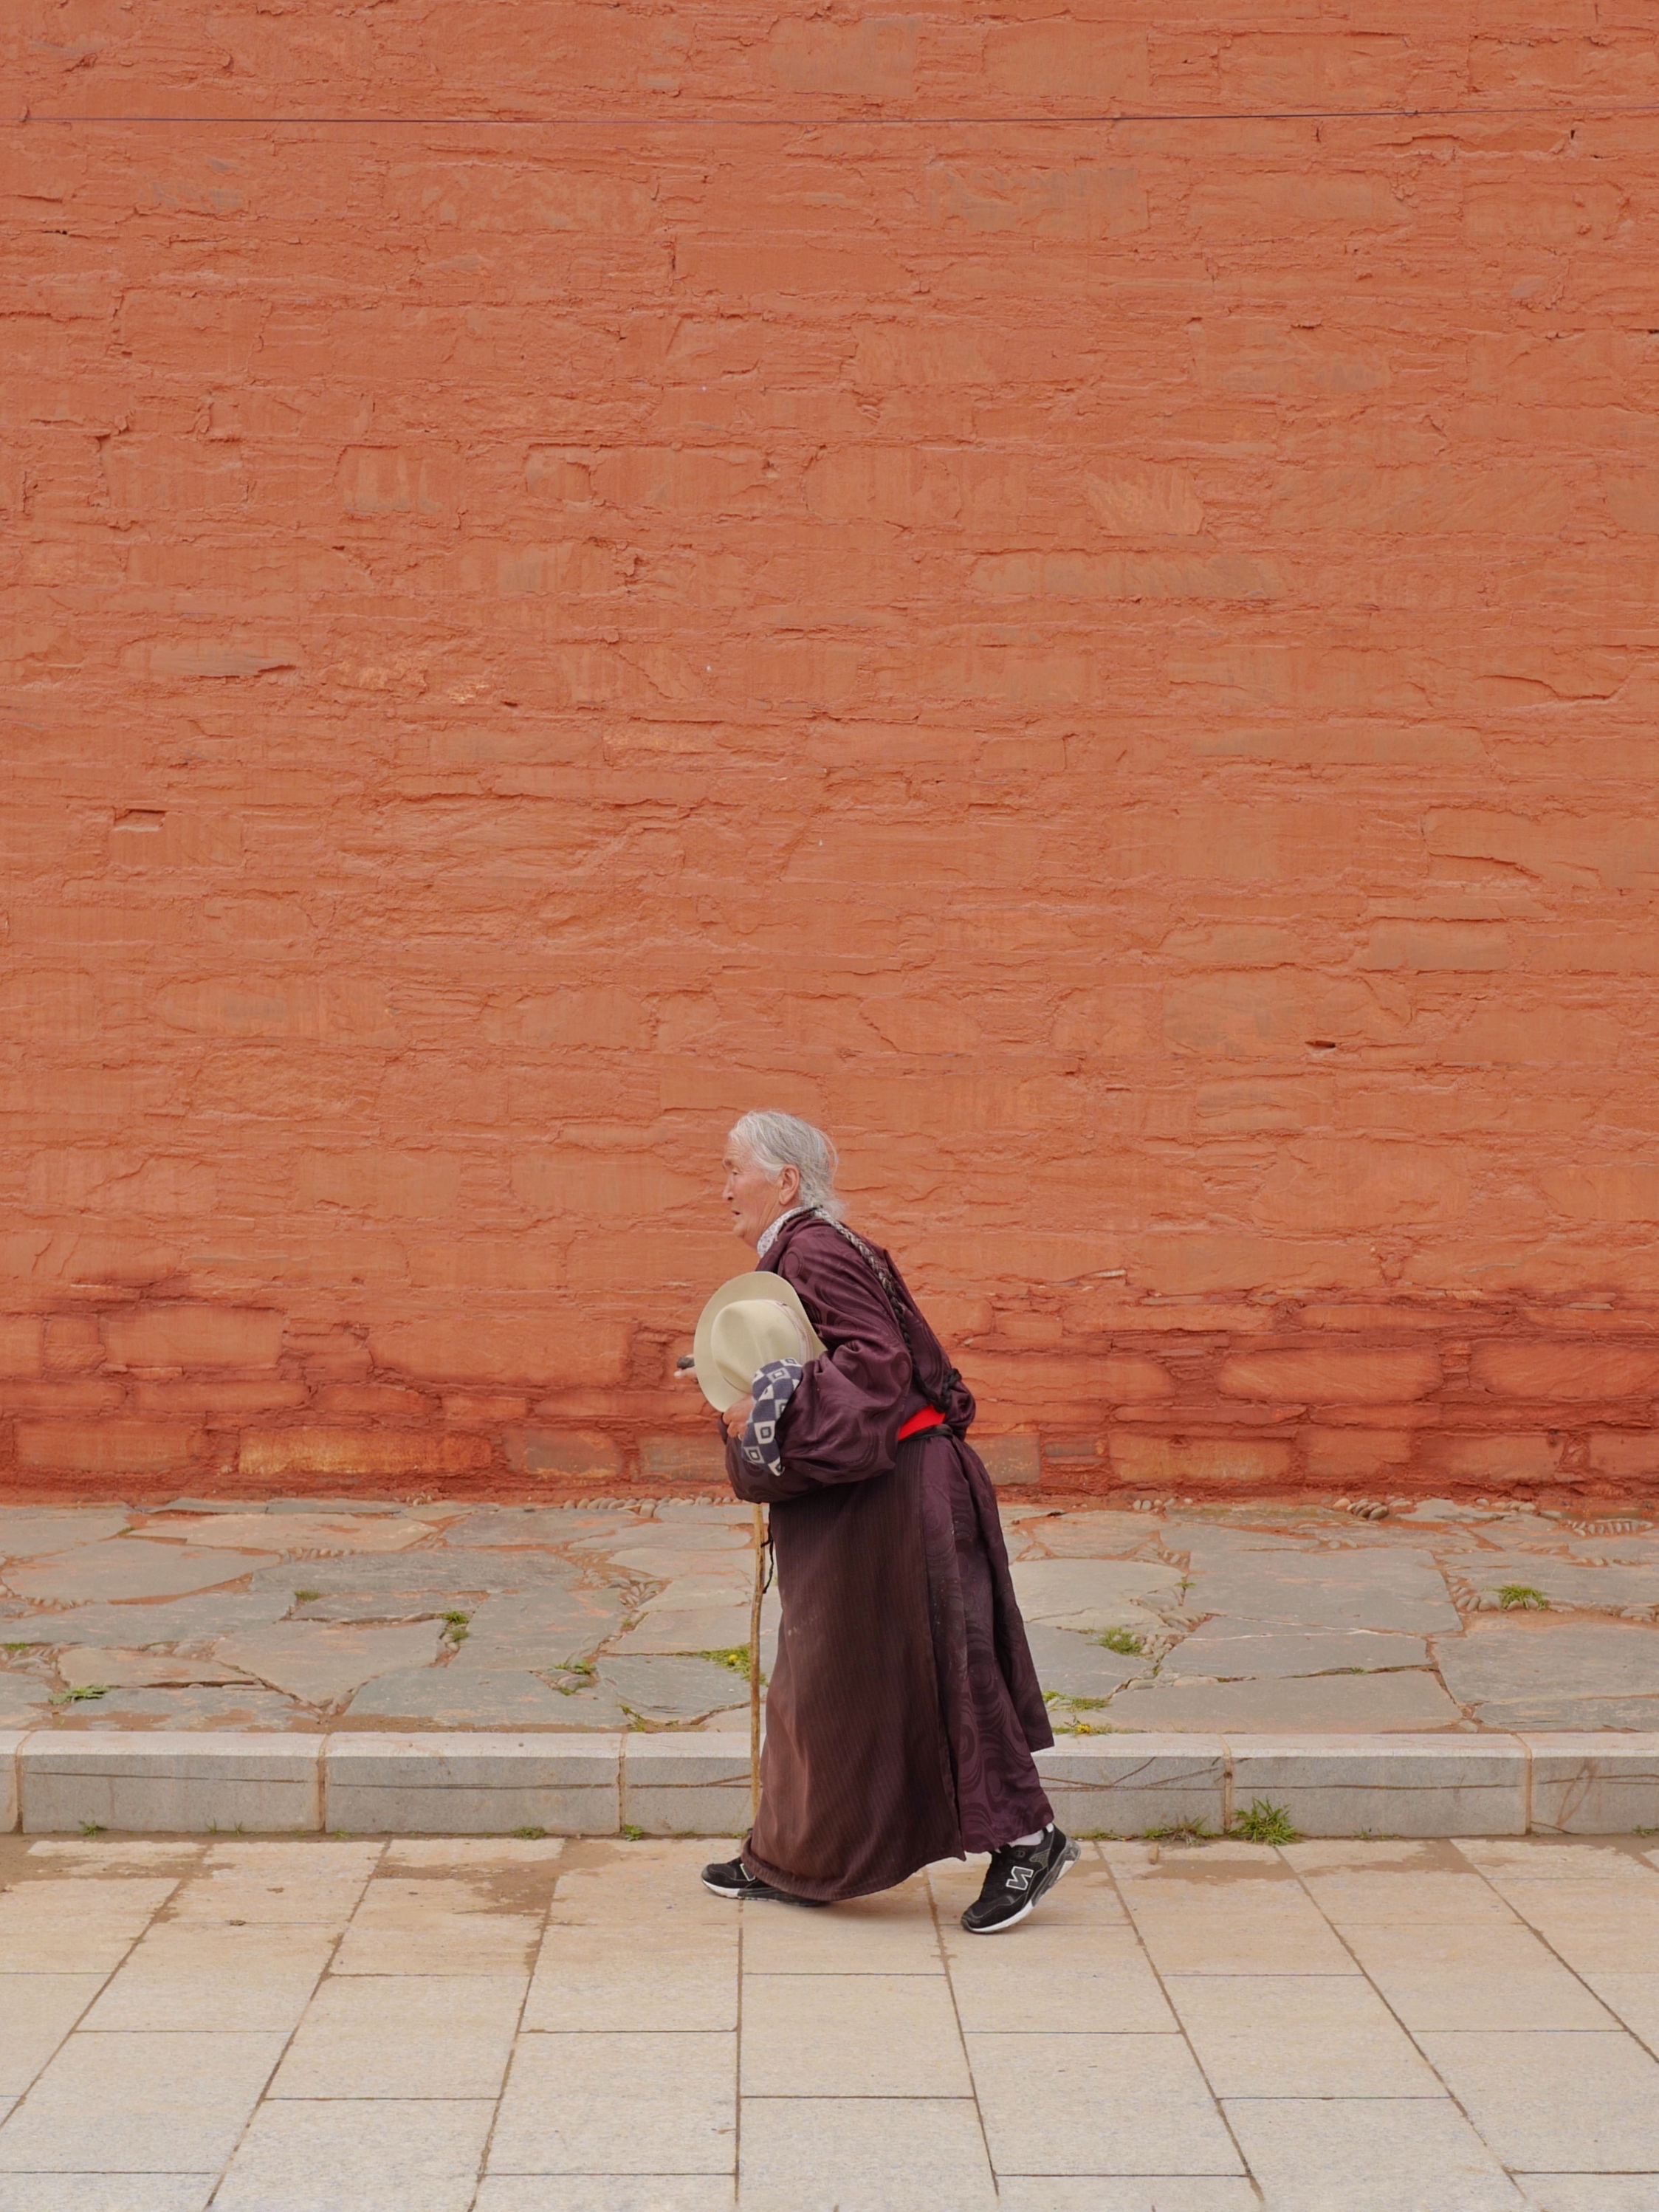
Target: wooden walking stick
x=755 y=1663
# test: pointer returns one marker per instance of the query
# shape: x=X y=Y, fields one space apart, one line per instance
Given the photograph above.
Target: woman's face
x=755 y=1194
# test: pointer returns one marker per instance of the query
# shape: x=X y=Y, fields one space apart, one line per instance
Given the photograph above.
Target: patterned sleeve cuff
x=774 y=1385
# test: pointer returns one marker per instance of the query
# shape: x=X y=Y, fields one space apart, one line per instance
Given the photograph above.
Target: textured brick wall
x=571 y=570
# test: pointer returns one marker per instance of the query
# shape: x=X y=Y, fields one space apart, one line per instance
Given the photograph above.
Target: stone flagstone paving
x=525 y=2026
x=1259 y=1618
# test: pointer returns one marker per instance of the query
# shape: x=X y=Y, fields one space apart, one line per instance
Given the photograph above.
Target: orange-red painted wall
x=1075 y=596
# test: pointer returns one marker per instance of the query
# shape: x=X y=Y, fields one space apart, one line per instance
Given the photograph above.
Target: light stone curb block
x=480 y=1784
x=1123 y=1785
x=171 y=1781
x=1389 y=1785
x=1600 y=1784
x=687 y=1785
x=11 y=1743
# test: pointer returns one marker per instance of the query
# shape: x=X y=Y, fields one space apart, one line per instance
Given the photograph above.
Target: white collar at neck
x=769 y=1235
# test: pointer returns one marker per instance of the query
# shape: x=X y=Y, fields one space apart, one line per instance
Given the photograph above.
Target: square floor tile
x=436 y=1926
x=890 y=1934
x=1099 y=2192
x=618 y=2103
x=105 y=2193
x=640 y=1945
x=1632 y=1999
x=1534 y=1858
x=645 y=1979
x=1590 y=2192
x=1266 y=1928
x=1355 y=1895
x=851 y=2035
x=37 y=2011
x=1599 y=1934
x=1096 y=2104
x=404 y=2036
x=1368 y=2154
x=863 y=2155
x=1301 y=2035
x=214 y=1976
x=1551 y=2103
x=1080 y=1979
x=346 y=2157
x=252 y=1882
x=605 y=2192
x=76 y=1927
x=139 y=2104
x=1483 y=1977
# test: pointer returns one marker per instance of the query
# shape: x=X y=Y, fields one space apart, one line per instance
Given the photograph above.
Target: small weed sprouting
x=1264 y=1823
x=1067 y=1710
x=1181 y=1832
x=578 y=1666
x=529 y=1835
x=455 y=1627
x=736 y=1658
x=306 y=1597
x=92 y=1827
x=633 y=1834
x=79 y=1693
x=1124 y=1641
x=1521 y=1597
x=15 y=1648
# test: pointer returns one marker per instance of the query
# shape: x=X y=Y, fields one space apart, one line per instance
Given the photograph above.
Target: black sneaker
x=731 y=1878
x=1017 y=1878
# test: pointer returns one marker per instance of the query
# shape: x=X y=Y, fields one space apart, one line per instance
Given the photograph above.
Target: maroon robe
x=904 y=1706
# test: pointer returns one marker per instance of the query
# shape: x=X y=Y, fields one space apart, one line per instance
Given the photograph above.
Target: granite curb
x=495 y=1783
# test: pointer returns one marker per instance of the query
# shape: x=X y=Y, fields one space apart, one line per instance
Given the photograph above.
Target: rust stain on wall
x=1075 y=597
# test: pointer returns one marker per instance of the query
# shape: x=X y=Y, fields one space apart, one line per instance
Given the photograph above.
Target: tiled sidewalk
x=531 y=2026
x=1258 y=1618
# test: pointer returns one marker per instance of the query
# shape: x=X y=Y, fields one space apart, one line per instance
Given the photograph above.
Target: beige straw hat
x=749 y=1319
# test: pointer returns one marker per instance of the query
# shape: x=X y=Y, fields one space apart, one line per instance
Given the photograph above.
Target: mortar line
x=517 y=2031
x=1566 y=114
x=736 y=2058
x=1221 y=2112
x=1383 y=1999
x=324 y=1972
x=1652 y=2048
x=962 y=2040
x=74 y=2026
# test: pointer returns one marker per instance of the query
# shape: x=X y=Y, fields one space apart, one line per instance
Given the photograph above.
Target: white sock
x=1024 y=1843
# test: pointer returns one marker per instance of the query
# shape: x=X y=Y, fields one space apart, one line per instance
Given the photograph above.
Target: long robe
x=904 y=1706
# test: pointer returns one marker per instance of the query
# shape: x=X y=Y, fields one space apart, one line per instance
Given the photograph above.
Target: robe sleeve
x=841 y=1424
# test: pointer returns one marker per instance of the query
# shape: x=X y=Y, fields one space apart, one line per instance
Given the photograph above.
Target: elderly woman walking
x=903 y=1707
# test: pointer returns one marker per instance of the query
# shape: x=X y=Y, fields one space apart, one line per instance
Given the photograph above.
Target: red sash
x=929 y=1417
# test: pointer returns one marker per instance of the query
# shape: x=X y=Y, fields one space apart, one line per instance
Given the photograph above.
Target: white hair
x=784 y=1140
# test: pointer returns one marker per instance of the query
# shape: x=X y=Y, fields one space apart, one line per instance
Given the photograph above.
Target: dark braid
x=940 y=1404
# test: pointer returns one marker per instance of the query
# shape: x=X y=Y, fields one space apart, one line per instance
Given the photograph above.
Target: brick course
x=1071 y=595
